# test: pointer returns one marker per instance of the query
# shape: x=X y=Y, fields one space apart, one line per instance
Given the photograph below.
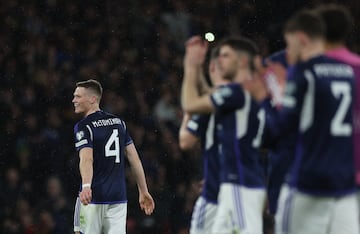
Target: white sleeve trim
x=80 y=143
x=91 y=134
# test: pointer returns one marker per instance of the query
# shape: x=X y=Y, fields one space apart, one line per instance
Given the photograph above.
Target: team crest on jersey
x=225 y=91
x=220 y=94
x=79 y=135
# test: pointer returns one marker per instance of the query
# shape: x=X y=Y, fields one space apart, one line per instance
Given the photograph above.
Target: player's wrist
x=86 y=185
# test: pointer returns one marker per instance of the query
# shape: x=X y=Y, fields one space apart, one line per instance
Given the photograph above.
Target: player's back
x=324 y=153
x=346 y=56
x=239 y=125
x=108 y=136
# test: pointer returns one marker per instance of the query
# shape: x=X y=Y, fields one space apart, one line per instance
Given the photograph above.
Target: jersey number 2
x=338 y=126
x=113 y=141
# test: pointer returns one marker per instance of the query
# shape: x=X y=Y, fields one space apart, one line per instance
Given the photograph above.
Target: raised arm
x=191 y=101
x=145 y=199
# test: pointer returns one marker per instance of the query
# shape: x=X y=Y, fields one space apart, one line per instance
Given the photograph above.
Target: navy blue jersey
x=348 y=57
x=239 y=123
x=281 y=152
x=318 y=106
x=203 y=126
x=107 y=135
x=277 y=57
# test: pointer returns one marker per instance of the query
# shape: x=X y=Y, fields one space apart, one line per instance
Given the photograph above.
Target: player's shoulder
x=345 y=55
x=81 y=123
x=277 y=57
x=119 y=120
x=321 y=61
x=225 y=93
x=199 y=118
x=229 y=89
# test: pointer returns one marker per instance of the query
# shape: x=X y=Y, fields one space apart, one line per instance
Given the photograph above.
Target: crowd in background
x=135 y=49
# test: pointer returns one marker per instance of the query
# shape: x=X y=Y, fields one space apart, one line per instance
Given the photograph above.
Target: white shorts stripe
x=77 y=215
x=203 y=216
x=240 y=209
x=239 y=219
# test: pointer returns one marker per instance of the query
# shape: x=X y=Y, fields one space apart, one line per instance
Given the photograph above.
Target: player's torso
x=211 y=161
x=239 y=132
x=324 y=162
x=204 y=127
x=346 y=56
x=108 y=135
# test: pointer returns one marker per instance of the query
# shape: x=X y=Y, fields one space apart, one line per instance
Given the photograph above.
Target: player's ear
x=93 y=99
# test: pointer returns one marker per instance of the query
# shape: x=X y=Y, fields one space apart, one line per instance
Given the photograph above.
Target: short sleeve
x=83 y=136
x=197 y=124
x=128 y=139
x=228 y=97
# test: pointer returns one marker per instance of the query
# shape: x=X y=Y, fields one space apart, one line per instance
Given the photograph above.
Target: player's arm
x=187 y=140
x=281 y=122
x=204 y=87
x=86 y=171
x=194 y=58
x=145 y=199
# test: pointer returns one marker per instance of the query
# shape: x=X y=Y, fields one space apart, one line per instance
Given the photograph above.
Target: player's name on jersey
x=334 y=70
x=105 y=122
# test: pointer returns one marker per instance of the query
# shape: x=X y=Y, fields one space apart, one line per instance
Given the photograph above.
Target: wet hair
x=338 y=21
x=308 y=22
x=93 y=85
x=242 y=44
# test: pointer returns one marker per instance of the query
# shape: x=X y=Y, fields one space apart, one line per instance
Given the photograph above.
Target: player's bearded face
x=293 y=47
x=228 y=63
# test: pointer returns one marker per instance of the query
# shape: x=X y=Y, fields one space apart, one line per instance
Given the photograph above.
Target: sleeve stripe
x=80 y=143
x=91 y=134
x=192 y=125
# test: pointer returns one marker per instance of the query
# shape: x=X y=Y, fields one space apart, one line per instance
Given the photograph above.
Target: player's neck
x=334 y=45
x=242 y=75
x=92 y=110
x=312 y=50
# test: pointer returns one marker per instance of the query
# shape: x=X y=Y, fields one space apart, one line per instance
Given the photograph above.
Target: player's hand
x=275 y=79
x=256 y=86
x=195 y=51
x=85 y=196
x=281 y=73
x=147 y=203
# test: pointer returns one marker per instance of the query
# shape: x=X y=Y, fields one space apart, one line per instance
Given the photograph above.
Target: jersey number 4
x=112 y=146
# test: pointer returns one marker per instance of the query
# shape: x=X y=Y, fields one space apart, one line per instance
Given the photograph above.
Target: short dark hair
x=308 y=22
x=242 y=44
x=91 y=84
x=338 y=21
